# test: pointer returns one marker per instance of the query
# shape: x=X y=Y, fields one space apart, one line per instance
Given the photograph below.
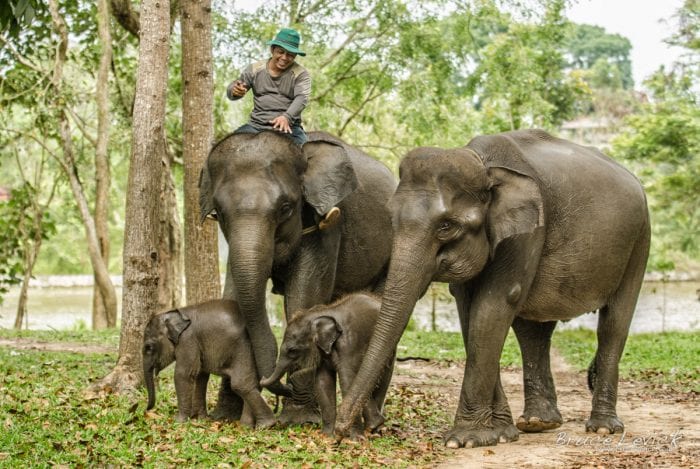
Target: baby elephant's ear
x=176 y=323
x=325 y=332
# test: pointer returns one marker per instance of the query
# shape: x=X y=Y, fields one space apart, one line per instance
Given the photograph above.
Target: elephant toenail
x=603 y=431
x=452 y=444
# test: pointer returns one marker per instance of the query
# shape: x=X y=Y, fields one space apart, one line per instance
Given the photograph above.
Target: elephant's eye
x=447 y=230
x=286 y=210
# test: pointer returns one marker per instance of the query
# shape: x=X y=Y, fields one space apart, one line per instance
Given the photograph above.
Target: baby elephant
x=330 y=340
x=203 y=339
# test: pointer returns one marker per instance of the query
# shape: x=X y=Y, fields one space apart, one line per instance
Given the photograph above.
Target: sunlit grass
x=670 y=358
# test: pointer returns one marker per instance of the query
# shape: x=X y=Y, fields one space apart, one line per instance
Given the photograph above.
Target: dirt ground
x=662 y=426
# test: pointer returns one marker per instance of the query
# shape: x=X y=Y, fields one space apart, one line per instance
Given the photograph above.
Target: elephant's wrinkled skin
x=265 y=189
x=328 y=342
x=208 y=338
x=528 y=229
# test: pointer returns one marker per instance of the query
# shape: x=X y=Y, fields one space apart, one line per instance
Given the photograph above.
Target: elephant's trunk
x=149 y=374
x=409 y=275
x=251 y=250
x=281 y=368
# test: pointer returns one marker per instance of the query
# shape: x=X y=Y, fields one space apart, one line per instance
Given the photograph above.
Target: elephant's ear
x=206 y=193
x=516 y=200
x=516 y=206
x=329 y=176
x=325 y=332
x=176 y=323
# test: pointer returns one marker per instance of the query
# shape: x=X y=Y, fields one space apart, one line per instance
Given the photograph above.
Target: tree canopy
x=387 y=75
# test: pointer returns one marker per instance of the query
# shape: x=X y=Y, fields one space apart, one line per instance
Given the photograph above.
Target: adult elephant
x=528 y=229
x=267 y=193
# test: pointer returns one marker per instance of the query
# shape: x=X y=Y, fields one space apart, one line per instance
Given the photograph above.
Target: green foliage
x=387 y=76
x=18 y=14
x=606 y=55
x=520 y=80
x=666 y=359
x=663 y=141
x=18 y=233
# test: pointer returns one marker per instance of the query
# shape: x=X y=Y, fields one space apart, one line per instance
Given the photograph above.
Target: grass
x=670 y=359
x=48 y=422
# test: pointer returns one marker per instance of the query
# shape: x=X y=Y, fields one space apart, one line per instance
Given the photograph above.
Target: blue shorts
x=298 y=135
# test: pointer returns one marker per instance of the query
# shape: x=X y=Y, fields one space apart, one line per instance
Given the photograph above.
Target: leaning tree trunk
x=201 y=239
x=69 y=166
x=102 y=316
x=141 y=262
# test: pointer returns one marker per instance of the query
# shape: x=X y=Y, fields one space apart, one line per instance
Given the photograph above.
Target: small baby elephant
x=330 y=340
x=203 y=339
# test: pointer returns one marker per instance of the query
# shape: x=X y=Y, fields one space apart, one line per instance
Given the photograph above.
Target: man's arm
x=238 y=88
x=302 y=91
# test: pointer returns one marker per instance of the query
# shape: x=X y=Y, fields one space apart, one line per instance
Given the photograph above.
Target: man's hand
x=238 y=88
x=282 y=124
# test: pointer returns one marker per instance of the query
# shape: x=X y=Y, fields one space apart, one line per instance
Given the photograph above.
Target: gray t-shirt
x=286 y=94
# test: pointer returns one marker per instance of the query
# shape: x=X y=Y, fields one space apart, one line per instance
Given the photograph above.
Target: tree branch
x=361 y=27
x=126 y=16
x=81 y=125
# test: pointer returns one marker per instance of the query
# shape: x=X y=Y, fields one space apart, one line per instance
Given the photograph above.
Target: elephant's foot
x=265 y=422
x=540 y=414
x=469 y=435
x=226 y=413
x=604 y=424
x=229 y=406
x=296 y=414
x=373 y=422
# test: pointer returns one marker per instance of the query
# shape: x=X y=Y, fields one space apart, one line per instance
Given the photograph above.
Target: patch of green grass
x=669 y=359
x=450 y=346
x=47 y=421
x=105 y=337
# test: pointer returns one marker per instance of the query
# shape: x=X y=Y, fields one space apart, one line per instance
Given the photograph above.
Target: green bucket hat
x=288 y=39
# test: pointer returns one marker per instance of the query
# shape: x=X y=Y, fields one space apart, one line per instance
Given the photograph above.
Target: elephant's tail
x=592 y=375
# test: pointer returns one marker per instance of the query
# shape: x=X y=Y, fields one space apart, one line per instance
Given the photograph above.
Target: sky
x=638 y=21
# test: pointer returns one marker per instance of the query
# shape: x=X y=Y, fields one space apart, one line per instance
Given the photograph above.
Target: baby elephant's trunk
x=274 y=379
x=149 y=373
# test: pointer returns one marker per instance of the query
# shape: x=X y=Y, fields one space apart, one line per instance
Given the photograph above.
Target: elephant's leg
x=229 y=405
x=540 y=411
x=247 y=417
x=310 y=282
x=185 y=391
x=613 y=327
x=483 y=416
x=199 y=408
x=346 y=375
x=374 y=418
x=325 y=392
x=244 y=383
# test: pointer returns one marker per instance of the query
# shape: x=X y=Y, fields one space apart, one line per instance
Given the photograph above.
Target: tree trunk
x=102 y=316
x=31 y=252
x=201 y=239
x=170 y=241
x=68 y=164
x=141 y=260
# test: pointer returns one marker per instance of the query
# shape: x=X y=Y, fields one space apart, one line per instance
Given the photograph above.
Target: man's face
x=281 y=58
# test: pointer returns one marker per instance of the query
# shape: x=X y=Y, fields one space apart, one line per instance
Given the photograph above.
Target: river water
x=65 y=303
